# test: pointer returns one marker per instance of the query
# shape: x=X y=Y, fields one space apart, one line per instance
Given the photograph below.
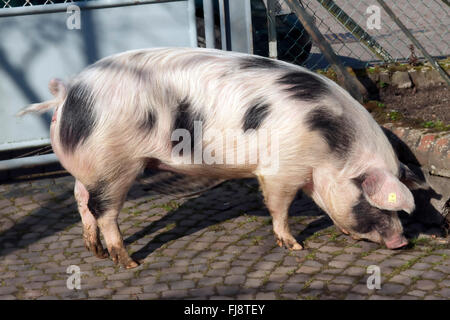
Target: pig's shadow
x=425 y=219
x=224 y=202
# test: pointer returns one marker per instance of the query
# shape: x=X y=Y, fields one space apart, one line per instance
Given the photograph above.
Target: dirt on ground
x=427 y=107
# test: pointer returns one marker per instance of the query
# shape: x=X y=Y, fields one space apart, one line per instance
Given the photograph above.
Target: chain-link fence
x=361 y=32
x=352 y=27
x=24 y=3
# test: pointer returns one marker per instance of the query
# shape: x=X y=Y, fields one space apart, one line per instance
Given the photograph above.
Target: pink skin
x=396 y=241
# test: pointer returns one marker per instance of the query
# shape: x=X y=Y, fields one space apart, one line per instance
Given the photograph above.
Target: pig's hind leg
x=278 y=197
x=91 y=234
x=109 y=196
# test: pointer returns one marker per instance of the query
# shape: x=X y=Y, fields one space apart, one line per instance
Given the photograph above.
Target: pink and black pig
x=119 y=116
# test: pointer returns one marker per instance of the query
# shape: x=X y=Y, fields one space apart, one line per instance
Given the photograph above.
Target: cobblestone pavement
x=217 y=245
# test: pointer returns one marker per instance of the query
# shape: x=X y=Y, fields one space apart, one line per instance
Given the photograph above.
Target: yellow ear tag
x=392 y=198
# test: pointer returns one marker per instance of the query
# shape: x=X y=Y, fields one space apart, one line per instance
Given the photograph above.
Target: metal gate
x=45 y=39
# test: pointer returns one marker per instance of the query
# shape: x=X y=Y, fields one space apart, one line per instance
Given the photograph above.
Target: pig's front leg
x=91 y=233
x=278 y=197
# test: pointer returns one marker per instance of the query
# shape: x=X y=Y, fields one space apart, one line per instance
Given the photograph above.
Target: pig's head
x=366 y=207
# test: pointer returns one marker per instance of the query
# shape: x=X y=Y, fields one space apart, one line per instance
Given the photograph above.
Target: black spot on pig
x=304 y=86
x=369 y=218
x=98 y=203
x=258 y=63
x=149 y=121
x=184 y=119
x=337 y=131
x=77 y=119
x=255 y=115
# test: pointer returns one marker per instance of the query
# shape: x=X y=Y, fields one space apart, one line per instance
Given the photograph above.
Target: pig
x=118 y=116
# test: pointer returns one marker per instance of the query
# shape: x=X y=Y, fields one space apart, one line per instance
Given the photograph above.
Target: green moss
x=168 y=206
x=437 y=125
x=419 y=241
x=383 y=84
x=256 y=240
x=394 y=115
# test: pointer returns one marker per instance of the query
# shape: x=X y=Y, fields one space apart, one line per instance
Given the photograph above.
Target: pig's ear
x=412 y=179
x=383 y=190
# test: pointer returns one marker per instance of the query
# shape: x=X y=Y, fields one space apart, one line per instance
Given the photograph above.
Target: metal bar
x=28 y=162
x=272 y=28
x=240 y=25
x=351 y=84
x=223 y=32
x=405 y=30
x=62 y=7
x=192 y=23
x=24 y=144
x=227 y=25
x=358 y=32
x=208 y=16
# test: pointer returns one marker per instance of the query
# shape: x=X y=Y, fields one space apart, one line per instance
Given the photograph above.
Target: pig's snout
x=396 y=241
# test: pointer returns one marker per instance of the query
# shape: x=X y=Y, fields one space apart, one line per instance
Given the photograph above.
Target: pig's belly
x=222 y=171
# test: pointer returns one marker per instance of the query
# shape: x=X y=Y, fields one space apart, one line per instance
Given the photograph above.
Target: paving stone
x=343 y=280
x=184 y=284
x=401 y=279
x=7 y=290
x=128 y=290
x=338 y=287
x=156 y=287
x=355 y=296
x=202 y=292
x=391 y=289
x=307 y=270
x=362 y=289
x=7 y=297
x=209 y=281
x=417 y=293
x=230 y=280
x=433 y=275
x=432 y=297
x=354 y=271
x=421 y=266
x=339 y=264
x=174 y=294
x=425 y=285
x=377 y=297
x=444 y=292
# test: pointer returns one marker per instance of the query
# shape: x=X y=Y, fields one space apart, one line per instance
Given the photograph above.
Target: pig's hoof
x=291 y=244
x=132 y=264
x=120 y=256
x=96 y=248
